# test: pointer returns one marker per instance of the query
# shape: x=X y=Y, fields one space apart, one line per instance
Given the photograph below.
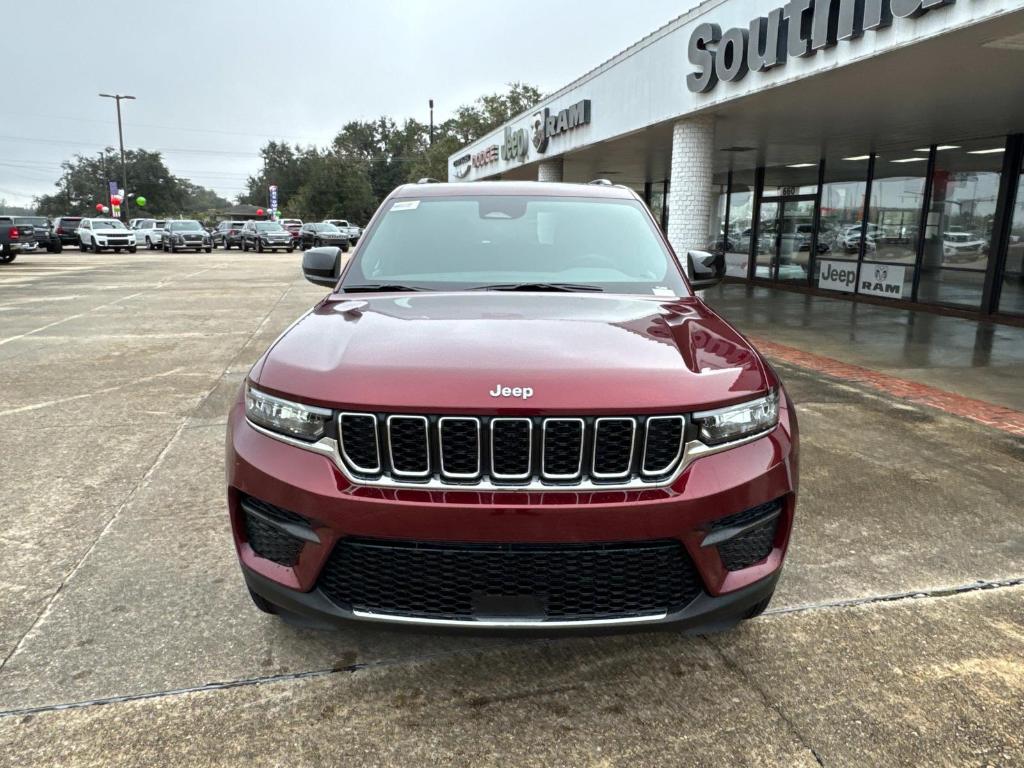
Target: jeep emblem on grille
x=524 y=392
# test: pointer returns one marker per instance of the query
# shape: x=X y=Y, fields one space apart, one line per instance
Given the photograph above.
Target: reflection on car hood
x=448 y=351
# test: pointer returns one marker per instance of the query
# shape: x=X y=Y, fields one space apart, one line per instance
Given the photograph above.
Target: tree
x=84 y=183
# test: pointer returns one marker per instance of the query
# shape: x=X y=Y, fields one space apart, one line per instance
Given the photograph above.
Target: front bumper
x=711 y=488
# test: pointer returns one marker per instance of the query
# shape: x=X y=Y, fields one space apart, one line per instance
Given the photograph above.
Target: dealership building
x=857 y=148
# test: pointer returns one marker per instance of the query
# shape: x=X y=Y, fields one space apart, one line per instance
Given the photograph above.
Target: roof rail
x=602 y=182
x=428 y=180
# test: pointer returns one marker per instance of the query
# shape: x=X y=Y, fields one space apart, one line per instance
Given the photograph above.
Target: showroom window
x=893 y=223
x=1011 y=297
x=719 y=213
x=961 y=216
x=840 y=222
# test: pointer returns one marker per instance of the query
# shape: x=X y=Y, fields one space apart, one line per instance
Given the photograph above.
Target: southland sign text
x=799 y=28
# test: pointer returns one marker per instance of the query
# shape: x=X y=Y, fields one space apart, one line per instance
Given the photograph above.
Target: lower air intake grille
x=266 y=539
x=756 y=543
x=528 y=581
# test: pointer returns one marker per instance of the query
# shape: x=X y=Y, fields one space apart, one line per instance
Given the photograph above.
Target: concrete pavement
x=118 y=581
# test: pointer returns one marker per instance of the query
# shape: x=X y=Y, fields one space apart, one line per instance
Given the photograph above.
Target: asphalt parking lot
x=127 y=637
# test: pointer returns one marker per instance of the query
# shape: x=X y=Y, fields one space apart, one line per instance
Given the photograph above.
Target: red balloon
x=259 y=211
x=115 y=200
x=99 y=206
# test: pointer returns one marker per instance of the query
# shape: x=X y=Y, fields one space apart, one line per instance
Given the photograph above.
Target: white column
x=690 y=194
x=550 y=170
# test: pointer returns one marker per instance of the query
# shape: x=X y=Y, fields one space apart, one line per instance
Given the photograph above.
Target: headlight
x=738 y=421
x=305 y=422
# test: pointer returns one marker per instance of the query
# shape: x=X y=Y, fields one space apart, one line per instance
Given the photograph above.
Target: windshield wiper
x=379 y=288
x=561 y=287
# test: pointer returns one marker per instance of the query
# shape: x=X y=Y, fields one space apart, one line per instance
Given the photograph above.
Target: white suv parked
x=149 y=232
x=105 y=234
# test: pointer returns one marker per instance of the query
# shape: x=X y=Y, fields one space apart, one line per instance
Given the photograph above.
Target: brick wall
x=690 y=196
x=550 y=170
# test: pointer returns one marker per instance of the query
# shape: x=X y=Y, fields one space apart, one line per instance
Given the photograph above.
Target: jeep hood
x=579 y=353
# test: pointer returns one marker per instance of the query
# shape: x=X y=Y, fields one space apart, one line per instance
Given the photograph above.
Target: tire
x=209 y=250
x=83 y=247
x=174 y=248
x=263 y=604
x=291 y=249
x=259 y=246
x=226 y=245
x=245 y=245
x=133 y=249
x=344 y=248
x=7 y=258
x=759 y=608
x=149 y=243
x=59 y=247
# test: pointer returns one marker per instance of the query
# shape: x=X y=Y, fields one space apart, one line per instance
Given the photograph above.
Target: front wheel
x=133 y=249
x=262 y=603
x=83 y=247
x=208 y=250
x=226 y=245
x=7 y=258
x=291 y=249
x=344 y=248
x=149 y=243
x=259 y=246
x=59 y=247
x=759 y=608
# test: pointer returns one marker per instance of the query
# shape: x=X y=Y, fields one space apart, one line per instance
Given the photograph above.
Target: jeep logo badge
x=521 y=392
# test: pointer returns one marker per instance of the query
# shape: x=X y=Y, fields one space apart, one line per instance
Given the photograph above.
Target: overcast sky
x=215 y=79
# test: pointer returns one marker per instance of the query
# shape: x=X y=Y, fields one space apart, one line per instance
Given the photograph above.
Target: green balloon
x=140 y=201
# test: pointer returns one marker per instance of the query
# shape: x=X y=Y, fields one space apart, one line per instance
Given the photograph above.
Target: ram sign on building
x=851 y=147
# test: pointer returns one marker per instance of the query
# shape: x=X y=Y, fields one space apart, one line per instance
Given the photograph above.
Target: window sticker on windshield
x=406 y=205
x=661 y=290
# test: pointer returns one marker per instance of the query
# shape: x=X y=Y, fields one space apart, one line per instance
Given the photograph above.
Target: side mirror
x=322 y=266
x=704 y=269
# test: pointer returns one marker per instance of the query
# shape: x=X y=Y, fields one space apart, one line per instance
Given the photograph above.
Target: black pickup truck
x=15 y=238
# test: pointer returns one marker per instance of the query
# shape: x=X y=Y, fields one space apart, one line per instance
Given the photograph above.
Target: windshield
x=471 y=242
x=325 y=228
x=34 y=221
x=107 y=224
x=185 y=226
x=268 y=226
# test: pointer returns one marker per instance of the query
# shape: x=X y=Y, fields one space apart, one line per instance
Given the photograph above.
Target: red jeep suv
x=512 y=412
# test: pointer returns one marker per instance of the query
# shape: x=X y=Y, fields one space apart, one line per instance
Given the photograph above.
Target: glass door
x=784 y=234
x=795 y=230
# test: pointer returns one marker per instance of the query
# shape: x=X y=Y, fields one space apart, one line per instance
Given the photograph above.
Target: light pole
x=431 y=122
x=120 y=137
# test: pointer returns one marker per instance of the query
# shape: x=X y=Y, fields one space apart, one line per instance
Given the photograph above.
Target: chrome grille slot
x=613 y=447
x=562 y=449
x=360 y=445
x=409 y=446
x=511 y=449
x=663 y=445
x=459 y=439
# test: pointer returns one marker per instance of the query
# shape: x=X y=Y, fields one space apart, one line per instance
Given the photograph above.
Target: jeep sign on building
x=856 y=148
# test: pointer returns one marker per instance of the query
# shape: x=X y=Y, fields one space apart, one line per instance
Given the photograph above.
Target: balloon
x=115 y=200
x=105 y=209
x=99 y=207
x=259 y=211
x=140 y=201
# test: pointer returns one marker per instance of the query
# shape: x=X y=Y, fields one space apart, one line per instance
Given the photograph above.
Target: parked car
x=149 y=232
x=963 y=246
x=105 y=234
x=462 y=369
x=293 y=226
x=353 y=232
x=266 y=235
x=66 y=229
x=14 y=239
x=185 y=235
x=228 y=233
x=317 y=235
x=44 y=232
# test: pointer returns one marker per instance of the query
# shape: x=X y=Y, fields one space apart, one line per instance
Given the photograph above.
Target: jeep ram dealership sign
x=883 y=280
x=799 y=28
